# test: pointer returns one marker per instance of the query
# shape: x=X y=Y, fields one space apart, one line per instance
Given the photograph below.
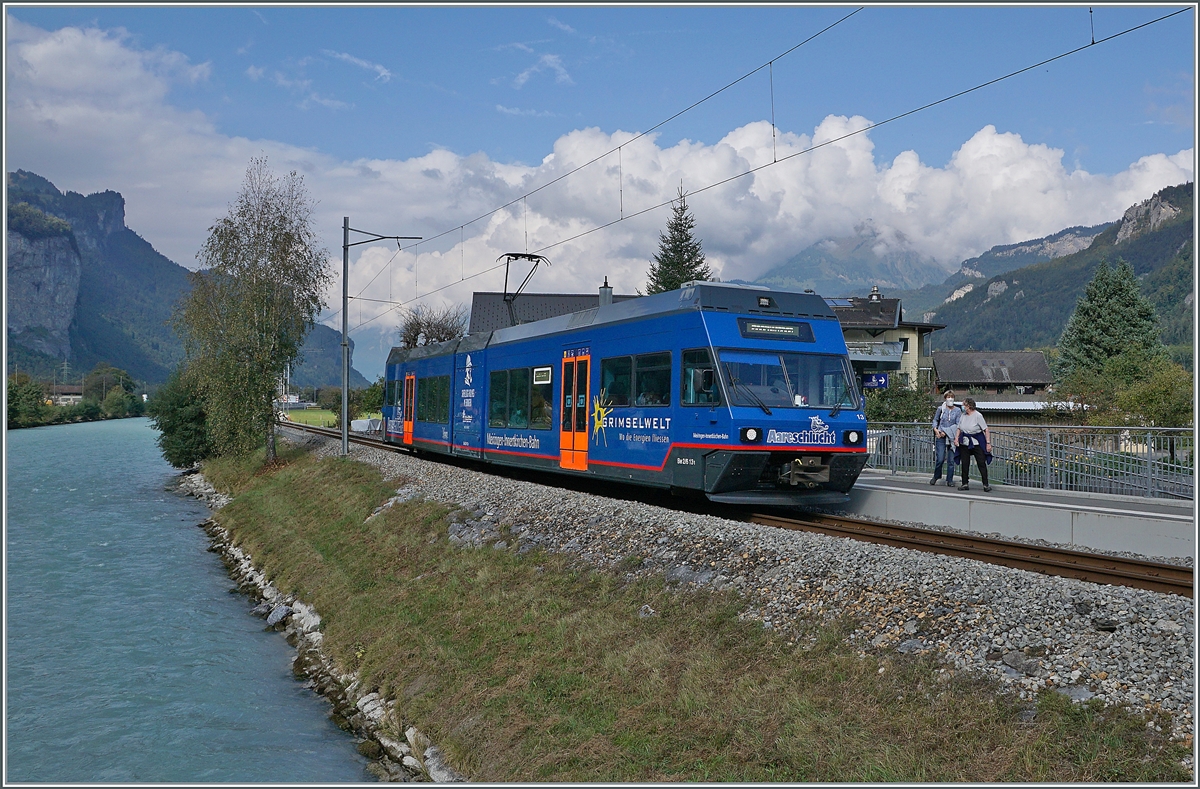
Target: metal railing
x=1152 y=462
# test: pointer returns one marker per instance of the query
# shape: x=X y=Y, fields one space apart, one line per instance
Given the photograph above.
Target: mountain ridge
x=115 y=295
x=881 y=258
x=1029 y=306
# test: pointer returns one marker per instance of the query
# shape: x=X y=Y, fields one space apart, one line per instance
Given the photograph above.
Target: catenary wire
x=866 y=128
x=617 y=149
x=753 y=170
x=638 y=136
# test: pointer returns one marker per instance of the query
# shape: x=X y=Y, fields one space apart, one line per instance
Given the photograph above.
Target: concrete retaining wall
x=1085 y=523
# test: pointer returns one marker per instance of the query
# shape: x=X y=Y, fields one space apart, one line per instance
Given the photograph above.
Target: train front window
x=788 y=380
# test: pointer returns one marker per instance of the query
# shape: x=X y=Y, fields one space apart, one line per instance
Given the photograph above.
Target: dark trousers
x=980 y=460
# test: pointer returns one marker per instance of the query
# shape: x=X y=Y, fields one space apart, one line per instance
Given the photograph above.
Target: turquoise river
x=128 y=659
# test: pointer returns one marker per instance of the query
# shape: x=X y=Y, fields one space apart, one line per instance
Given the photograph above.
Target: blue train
x=742 y=393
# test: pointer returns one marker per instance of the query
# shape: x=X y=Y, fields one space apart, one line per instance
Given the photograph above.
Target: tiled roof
x=991 y=368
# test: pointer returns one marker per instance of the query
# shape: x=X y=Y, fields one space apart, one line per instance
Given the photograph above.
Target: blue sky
x=415 y=120
x=435 y=77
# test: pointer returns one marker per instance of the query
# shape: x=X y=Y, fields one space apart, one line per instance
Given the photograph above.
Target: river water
x=128 y=659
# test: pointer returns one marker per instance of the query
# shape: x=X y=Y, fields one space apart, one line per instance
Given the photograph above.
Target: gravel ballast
x=1122 y=646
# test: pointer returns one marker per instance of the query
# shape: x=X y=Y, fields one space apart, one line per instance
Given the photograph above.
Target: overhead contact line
x=753 y=170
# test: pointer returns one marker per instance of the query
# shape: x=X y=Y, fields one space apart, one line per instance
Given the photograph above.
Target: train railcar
x=743 y=393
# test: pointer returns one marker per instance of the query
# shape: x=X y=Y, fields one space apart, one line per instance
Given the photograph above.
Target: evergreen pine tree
x=1110 y=318
x=680 y=258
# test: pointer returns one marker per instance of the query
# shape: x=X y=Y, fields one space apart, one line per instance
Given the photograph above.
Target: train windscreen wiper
x=737 y=382
x=837 y=409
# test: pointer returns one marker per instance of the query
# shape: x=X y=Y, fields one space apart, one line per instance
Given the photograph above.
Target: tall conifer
x=1110 y=318
x=680 y=258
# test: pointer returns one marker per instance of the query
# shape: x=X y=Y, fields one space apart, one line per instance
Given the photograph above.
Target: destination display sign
x=776 y=330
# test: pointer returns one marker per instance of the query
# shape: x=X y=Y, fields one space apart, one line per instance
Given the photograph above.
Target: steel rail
x=1095 y=568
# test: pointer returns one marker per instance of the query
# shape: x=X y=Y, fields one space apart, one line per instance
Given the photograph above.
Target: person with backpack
x=945 y=424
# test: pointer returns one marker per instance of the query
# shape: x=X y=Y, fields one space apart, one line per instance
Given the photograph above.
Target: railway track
x=1095 y=568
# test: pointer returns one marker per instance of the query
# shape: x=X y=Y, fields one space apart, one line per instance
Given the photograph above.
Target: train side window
x=568 y=395
x=581 y=394
x=540 y=415
x=443 y=407
x=498 y=399
x=436 y=394
x=699 y=378
x=616 y=379
x=653 y=379
x=518 y=398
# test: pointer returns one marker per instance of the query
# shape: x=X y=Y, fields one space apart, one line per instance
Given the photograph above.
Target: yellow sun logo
x=601 y=408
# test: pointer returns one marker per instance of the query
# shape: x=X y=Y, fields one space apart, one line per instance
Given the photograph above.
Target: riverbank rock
x=360 y=711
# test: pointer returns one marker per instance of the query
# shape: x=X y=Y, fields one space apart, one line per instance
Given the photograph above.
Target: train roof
x=714 y=296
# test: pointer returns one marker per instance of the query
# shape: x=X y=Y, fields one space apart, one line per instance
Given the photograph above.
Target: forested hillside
x=998 y=260
x=1028 y=307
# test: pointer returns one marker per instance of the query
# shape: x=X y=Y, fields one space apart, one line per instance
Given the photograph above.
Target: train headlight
x=853 y=437
x=752 y=435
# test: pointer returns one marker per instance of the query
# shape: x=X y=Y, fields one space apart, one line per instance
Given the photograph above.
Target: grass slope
x=535 y=668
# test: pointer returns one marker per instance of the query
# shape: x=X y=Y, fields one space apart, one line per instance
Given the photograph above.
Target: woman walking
x=972 y=440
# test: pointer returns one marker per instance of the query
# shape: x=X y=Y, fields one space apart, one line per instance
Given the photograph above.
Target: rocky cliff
x=84 y=287
x=43 y=284
x=1146 y=216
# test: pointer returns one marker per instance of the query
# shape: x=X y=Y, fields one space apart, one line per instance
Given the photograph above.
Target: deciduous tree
x=103 y=378
x=680 y=257
x=1161 y=399
x=26 y=401
x=178 y=413
x=898 y=403
x=371 y=399
x=425 y=325
x=260 y=288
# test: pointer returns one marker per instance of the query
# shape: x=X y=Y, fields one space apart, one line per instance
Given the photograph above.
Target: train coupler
x=807 y=470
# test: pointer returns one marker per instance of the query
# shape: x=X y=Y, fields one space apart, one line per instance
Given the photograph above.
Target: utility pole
x=345 y=337
x=346 y=316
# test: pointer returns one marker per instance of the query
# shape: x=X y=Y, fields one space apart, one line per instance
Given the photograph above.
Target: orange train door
x=573 y=430
x=410 y=387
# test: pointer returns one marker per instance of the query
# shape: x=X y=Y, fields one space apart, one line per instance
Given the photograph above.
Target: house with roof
x=1012 y=386
x=882 y=344
x=993 y=372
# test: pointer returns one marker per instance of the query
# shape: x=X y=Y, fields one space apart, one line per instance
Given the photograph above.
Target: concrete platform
x=1150 y=527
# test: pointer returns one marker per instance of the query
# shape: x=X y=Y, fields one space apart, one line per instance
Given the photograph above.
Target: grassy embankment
x=533 y=668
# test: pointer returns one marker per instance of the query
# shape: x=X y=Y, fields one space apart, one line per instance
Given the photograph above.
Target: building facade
x=885 y=348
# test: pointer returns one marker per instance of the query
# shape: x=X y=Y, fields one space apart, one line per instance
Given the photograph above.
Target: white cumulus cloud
x=89 y=111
